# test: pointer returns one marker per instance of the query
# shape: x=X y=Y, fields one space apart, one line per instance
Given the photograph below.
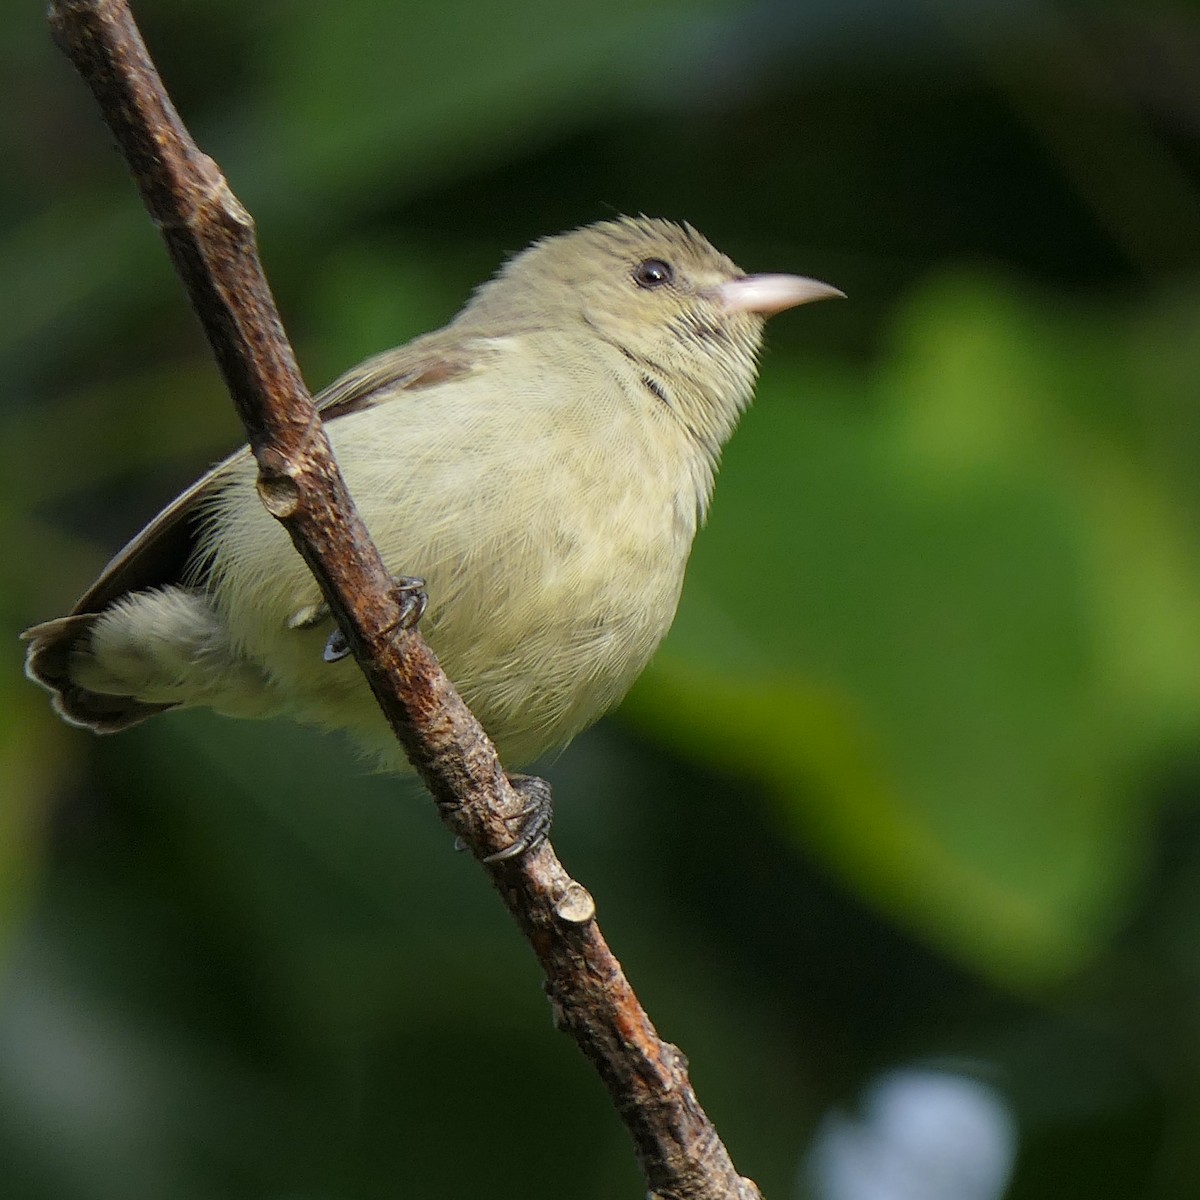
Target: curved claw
x=535 y=818
x=412 y=598
x=336 y=648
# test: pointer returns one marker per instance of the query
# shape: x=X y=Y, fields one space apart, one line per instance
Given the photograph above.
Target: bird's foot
x=336 y=648
x=411 y=599
x=533 y=821
x=410 y=594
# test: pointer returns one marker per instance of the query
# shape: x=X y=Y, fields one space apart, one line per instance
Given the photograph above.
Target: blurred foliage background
x=899 y=835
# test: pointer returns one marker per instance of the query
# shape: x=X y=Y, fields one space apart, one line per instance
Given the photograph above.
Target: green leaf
x=943 y=614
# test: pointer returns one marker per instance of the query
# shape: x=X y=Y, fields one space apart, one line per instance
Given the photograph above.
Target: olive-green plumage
x=542 y=462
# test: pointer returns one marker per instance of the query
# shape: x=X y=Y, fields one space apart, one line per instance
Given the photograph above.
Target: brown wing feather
x=423 y=363
x=160 y=552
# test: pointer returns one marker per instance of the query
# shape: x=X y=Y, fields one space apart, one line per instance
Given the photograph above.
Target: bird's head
x=663 y=295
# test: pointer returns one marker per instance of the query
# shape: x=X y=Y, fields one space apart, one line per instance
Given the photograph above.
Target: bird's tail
x=53 y=646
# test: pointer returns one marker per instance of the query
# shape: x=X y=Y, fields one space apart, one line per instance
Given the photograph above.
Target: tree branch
x=210 y=237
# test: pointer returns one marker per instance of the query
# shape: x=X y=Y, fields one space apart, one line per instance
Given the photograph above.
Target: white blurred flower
x=923 y=1135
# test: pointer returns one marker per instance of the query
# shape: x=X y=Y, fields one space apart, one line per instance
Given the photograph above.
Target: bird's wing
x=160 y=552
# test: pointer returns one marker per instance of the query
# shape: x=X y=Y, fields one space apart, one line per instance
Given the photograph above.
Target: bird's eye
x=653 y=273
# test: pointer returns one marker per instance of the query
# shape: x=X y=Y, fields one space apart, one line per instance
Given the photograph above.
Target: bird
x=542 y=463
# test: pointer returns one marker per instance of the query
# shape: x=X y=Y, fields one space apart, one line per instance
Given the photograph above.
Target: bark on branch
x=210 y=237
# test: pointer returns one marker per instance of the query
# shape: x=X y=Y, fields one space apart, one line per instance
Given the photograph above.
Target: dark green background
x=914 y=779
